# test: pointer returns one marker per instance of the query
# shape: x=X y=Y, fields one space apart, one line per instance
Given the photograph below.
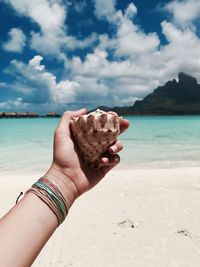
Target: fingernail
x=104 y=160
x=113 y=149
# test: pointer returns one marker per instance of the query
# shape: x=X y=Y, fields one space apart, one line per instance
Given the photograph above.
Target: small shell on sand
x=94 y=133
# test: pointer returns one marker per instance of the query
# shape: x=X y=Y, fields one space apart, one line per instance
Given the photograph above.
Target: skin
x=26 y=228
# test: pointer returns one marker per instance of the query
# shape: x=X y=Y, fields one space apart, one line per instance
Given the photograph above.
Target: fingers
x=111 y=157
x=116 y=148
x=66 y=118
x=110 y=160
x=109 y=163
x=124 y=124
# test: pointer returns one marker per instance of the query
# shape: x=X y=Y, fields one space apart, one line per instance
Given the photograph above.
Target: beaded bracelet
x=49 y=192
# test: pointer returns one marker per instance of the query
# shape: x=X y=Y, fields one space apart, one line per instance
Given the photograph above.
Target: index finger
x=124 y=124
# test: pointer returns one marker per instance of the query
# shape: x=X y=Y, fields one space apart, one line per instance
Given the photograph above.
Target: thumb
x=66 y=118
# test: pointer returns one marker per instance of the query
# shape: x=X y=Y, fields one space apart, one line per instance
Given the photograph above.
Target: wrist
x=66 y=185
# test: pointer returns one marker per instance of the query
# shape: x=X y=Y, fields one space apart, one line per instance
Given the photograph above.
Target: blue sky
x=59 y=54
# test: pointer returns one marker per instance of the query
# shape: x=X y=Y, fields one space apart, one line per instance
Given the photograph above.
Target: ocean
x=150 y=142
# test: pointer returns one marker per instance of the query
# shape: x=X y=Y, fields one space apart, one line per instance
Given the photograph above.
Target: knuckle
x=119 y=145
x=66 y=114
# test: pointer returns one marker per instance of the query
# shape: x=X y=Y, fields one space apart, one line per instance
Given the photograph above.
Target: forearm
x=26 y=228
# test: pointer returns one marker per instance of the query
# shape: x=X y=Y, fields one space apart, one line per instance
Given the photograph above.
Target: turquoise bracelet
x=50 y=193
x=57 y=200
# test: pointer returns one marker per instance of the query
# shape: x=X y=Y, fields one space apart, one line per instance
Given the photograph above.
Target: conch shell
x=94 y=133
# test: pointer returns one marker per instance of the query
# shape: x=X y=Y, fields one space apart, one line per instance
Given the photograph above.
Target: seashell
x=94 y=133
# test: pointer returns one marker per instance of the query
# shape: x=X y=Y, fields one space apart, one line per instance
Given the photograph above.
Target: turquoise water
x=150 y=142
x=162 y=142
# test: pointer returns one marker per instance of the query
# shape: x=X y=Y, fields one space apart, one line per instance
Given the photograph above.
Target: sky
x=58 y=55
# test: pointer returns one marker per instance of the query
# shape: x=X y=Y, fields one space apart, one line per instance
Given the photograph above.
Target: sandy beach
x=132 y=218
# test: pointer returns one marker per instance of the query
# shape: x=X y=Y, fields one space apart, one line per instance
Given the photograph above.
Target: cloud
x=92 y=88
x=129 y=39
x=35 y=63
x=49 y=15
x=104 y=9
x=175 y=34
x=53 y=39
x=31 y=83
x=12 y=104
x=65 y=92
x=16 y=42
x=79 y=6
x=3 y=84
x=132 y=42
x=185 y=11
x=131 y=11
x=37 y=85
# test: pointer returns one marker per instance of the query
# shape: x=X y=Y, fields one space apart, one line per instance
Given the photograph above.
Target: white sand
x=133 y=218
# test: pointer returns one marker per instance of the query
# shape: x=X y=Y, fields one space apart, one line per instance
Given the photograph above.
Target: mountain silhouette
x=180 y=97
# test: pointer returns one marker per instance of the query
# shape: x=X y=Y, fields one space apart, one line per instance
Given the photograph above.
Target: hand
x=67 y=164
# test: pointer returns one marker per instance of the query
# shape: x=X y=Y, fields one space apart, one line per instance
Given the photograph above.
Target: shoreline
x=125 y=167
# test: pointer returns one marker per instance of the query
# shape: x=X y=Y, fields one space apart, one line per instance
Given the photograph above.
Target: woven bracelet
x=56 y=199
x=50 y=193
x=46 y=179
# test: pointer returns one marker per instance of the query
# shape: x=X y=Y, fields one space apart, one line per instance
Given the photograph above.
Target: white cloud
x=131 y=11
x=119 y=101
x=184 y=11
x=105 y=9
x=12 y=104
x=92 y=65
x=92 y=88
x=33 y=83
x=73 y=43
x=132 y=42
x=65 y=91
x=178 y=35
x=16 y=42
x=50 y=15
x=36 y=63
x=37 y=85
